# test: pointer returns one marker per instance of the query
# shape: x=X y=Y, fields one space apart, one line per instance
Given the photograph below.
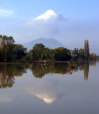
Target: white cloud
x=48 y=17
x=6 y=13
x=48 y=23
x=49 y=14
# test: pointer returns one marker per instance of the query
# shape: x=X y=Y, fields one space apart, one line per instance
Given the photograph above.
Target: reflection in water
x=86 y=71
x=47 y=90
x=48 y=96
x=39 y=70
x=54 y=93
x=50 y=91
x=5 y=98
x=9 y=71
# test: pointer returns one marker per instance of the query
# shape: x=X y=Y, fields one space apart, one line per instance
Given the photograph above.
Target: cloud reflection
x=46 y=98
x=46 y=91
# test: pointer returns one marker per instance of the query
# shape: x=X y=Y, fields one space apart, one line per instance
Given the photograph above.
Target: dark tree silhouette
x=86 y=49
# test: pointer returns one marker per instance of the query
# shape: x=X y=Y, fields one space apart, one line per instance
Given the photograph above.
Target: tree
x=47 y=54
x=10 y=40
x=81 y=53
x=6 y=47
x=3 y=41
x=62 y=54
x=0 y=36
x=93 y=56
x=18 y=52
x=86 y=49
x=38 y=50
x=74 y=54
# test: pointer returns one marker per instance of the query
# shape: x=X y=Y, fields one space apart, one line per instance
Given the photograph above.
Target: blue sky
x=68 y=21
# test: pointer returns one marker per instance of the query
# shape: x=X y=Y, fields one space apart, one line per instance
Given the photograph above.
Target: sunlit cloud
x=47 y=23
x=48 y=16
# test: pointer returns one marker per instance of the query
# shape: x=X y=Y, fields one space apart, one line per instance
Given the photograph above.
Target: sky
x=68 y=21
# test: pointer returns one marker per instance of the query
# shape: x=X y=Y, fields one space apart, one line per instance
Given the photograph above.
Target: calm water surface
x=49 y=89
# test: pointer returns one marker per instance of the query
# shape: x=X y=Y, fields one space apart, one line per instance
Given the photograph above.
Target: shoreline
x=46 y=61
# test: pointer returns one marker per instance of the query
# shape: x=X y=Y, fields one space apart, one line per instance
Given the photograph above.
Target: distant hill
x=50 y=43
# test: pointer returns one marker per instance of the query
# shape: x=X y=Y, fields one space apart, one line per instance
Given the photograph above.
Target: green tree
x=10 y=40
x=6 y=47
x=81 y=53
x=19 y=52
x=62 y=54
x=47 y=54
x=0 y=36
x=37 y=51
x=74 y=54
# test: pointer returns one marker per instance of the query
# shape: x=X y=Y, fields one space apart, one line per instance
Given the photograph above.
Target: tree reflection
x=8 y=72
x=86 y=71
x=39 y=70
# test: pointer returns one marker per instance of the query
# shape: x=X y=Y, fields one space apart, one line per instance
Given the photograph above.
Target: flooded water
x=49 y=88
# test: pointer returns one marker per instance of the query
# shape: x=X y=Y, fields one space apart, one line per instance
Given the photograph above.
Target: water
x=49 y=89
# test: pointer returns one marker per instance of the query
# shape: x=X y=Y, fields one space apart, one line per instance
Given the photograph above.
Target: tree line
x=40 y=52
x=11 y=52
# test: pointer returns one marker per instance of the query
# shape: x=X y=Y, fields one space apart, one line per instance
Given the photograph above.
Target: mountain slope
x=50 y=43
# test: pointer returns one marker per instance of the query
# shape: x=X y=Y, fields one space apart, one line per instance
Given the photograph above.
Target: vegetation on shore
x=11 y=52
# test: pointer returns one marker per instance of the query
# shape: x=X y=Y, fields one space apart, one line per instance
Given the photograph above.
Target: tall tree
x=86 y=49
x=6 y=44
